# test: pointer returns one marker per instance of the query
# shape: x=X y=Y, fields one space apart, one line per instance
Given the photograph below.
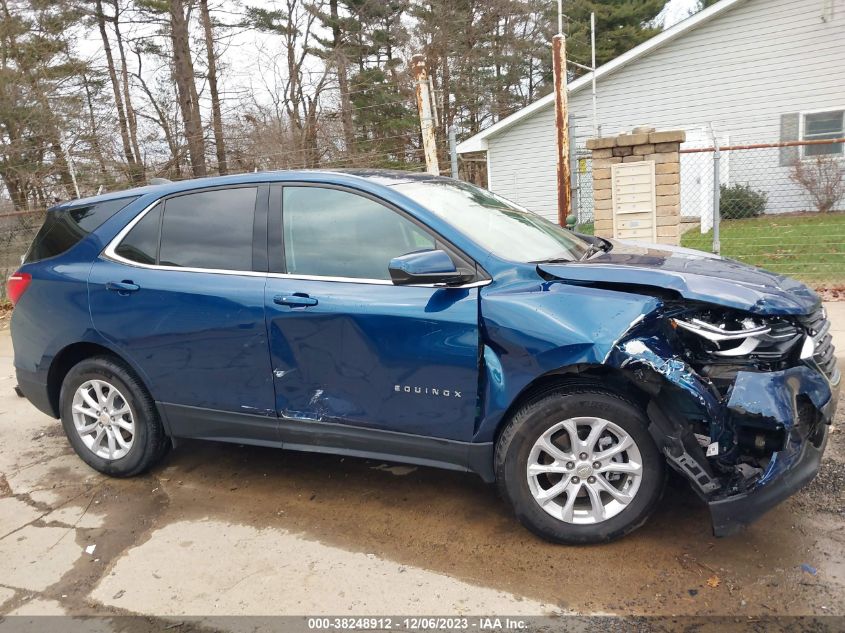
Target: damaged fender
x=533 y=328
x=795 y=404
x=697 y=426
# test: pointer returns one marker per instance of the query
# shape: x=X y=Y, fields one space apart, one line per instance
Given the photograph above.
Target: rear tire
x=568 y=491
x=110 y=419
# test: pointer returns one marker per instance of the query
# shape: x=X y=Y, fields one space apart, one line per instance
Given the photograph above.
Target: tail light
x=17 y=285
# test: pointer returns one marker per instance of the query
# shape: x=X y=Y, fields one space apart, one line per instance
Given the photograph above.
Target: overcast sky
x=677 y=10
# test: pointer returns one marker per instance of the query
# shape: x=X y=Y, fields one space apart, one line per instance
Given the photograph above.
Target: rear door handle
x=122 y=287
x=295 y=300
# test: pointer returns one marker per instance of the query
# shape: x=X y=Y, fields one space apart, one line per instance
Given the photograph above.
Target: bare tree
x=291 y=87
x=183 y=75
x=128 y=153
x=340 y=64
x=127 y=95
x=823 y=178
x=216 y=117
x=95 y=128
x=162 y=120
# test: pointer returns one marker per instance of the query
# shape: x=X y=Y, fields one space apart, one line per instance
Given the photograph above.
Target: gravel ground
x=826 y=493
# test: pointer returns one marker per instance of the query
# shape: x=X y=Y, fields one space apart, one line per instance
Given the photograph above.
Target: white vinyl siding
x=523 y=162
x=740 y=72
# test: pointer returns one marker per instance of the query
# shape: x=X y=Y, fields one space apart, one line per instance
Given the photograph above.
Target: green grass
x=808 y=247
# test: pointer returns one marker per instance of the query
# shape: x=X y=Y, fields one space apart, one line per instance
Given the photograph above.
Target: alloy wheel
x=103 y=419
x=584 y=470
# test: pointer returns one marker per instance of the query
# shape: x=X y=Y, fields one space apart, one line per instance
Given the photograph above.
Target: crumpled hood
x=695 y=275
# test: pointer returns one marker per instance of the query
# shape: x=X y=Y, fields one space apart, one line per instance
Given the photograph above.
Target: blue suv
x=421 y=319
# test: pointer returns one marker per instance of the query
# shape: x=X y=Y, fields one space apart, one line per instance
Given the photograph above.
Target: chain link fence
x=17 y=231
x=780 y=206
x=582 y=173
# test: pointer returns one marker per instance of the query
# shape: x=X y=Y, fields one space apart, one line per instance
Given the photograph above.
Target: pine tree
x=38 y=100
x=620 y=26
x=382 y=95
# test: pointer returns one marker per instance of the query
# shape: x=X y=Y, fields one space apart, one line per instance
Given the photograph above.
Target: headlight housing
x=740 y=337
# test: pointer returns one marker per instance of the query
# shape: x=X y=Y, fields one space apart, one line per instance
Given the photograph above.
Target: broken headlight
x=740 y=338
x=720 y=343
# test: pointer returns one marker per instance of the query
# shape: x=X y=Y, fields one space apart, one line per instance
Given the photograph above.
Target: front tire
x=110 y=419
x=577 y=465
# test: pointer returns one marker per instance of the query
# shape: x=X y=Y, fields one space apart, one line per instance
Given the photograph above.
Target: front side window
x=333 y=233
x=495 y=224
x=824 y=126
x=210 y=229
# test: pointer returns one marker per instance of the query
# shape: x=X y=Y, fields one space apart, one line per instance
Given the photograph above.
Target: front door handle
x=123 y=287
x=295 y=300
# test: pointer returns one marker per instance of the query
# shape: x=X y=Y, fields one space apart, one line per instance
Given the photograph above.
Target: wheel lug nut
x=570 y=465
x=575 y=480
x=596 y=464
x=583 y=456
x=591 y=480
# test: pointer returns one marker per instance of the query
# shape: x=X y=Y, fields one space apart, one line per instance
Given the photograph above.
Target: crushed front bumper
x=798 y=463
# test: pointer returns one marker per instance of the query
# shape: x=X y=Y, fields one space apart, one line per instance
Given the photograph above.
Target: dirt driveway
x=224 y=529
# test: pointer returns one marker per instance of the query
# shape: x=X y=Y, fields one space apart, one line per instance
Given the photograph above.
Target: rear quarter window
x=64 y=228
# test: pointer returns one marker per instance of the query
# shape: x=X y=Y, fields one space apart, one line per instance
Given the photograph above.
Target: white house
x=752 y=71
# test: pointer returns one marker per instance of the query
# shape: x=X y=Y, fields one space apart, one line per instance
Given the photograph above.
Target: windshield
x=502 y=227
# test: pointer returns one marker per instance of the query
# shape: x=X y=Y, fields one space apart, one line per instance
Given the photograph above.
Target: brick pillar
x=642 y=144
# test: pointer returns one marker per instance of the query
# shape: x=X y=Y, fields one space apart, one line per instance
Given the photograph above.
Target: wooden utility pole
x=426 y=117
x=564 y=185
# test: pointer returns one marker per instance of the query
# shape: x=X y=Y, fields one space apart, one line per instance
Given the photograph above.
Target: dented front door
x=374 y=355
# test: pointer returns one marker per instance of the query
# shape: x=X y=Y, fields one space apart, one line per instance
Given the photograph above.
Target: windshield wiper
x=601 y=247
x=592 y=249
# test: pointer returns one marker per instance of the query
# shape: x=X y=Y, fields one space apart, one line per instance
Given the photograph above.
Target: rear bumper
x=789 y=470
x=36 y=392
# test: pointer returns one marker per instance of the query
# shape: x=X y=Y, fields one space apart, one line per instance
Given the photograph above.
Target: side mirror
x=425 y=267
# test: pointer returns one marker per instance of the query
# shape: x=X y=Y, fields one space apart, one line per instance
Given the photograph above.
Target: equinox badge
x=428 y=391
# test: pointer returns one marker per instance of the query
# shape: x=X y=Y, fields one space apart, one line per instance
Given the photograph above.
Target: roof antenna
x=160 y=181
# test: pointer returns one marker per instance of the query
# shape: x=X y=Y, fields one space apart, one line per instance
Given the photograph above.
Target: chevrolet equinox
x=421 y=319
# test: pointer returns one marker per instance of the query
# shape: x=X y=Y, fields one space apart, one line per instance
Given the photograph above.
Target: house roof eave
x=479 y=142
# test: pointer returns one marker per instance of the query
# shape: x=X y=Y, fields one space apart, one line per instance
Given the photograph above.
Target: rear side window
x=211 y=229
x=141 y=243
x=64 y=228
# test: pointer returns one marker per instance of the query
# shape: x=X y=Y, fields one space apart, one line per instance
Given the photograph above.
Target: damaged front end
x=740 y=402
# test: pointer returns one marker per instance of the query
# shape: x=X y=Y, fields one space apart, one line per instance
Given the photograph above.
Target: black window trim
x=69 y=207
x=260 y=211
x=270 y=196
x=276 y=245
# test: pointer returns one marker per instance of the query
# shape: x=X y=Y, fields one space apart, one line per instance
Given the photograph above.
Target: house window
x=824 y=125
